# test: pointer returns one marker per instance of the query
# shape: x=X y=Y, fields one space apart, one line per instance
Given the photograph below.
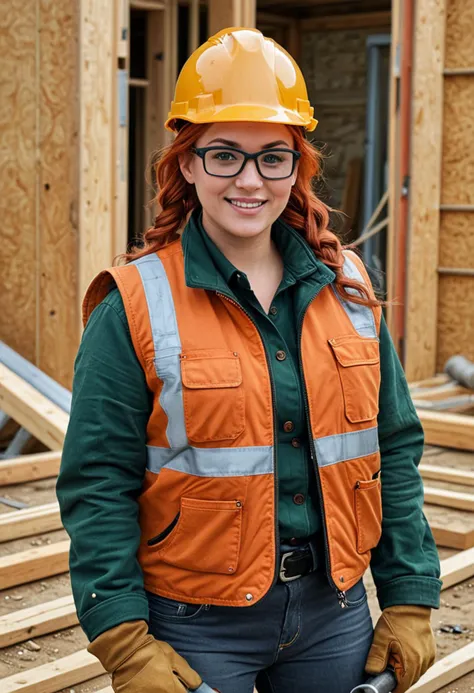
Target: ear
x=185 y=161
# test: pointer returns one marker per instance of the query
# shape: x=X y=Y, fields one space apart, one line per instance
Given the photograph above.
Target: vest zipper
x=341 y=595
x=275 y=461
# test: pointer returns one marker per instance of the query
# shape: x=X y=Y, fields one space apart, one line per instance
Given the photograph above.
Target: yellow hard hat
x=240 y=75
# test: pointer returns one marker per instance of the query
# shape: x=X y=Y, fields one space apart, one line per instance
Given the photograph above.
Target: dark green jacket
x=104 y=457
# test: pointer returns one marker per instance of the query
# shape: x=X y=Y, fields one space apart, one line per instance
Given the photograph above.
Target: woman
x=237 y=404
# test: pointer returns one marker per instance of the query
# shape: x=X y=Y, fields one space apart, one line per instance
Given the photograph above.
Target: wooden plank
x=37 y=620
x=19 y=169
x=97 y=83
x=441 y=392
x=452 y=538
x=57 y=235
x=32 y=410
x=30 y=521
x=34 y=564
x=49 y=678
x=448 y=430
x=449 y=499
x=446 y=670
x=393 y=168
x=457 y=568
x=425 y=190
x=448 y=474
x=18 y=470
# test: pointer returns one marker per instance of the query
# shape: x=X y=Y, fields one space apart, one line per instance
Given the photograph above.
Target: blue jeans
x=297 y=638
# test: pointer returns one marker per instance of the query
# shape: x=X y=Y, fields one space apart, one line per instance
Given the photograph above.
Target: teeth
x=246 y=205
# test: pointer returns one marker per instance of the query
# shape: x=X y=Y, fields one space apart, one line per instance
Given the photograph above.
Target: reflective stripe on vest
x=361 y=317
x=240 y=461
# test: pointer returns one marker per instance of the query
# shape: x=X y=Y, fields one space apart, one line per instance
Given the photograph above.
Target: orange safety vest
x=208 y=507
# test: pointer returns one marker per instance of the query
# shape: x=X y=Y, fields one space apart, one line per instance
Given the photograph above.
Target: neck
x=249 y=255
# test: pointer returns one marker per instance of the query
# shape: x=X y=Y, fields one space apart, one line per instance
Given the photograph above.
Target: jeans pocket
x=166 y=609
x=356 y=595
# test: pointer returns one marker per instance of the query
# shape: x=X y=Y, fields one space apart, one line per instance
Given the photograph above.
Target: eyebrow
x=231 y=143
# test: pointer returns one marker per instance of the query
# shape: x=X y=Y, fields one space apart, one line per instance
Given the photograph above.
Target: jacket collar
x=206 y=267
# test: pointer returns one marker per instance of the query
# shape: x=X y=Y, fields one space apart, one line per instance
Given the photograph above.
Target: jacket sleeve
x=405 y=564
x=102 y=470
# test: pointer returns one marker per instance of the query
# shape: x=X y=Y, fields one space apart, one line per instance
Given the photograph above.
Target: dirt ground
x=457 y=605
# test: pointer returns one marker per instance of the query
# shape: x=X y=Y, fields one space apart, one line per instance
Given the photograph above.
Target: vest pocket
x=205 y=538
x=368 y=507
x=213 y=395
x=358 y=364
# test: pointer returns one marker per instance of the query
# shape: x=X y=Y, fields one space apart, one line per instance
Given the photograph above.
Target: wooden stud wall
x=439 y=315
x=38 y=120
x=97 y=82
x=425 y=190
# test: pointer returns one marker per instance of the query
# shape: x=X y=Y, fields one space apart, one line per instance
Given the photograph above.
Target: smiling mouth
x=246 y=205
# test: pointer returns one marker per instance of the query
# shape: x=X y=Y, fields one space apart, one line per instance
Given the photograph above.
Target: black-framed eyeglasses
x=227 y=162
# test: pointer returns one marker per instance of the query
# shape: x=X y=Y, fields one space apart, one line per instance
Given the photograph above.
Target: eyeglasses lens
x=224 y=162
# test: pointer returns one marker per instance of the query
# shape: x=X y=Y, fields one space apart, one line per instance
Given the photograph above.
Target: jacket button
x=273 y=310
x=296 y=443
x=281 y=355
x=249 y=597
x=288 y=426
x=298 y=499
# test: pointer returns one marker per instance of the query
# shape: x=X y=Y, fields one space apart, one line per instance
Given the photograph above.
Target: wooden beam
x=30 y=521
x=97 y=87
x=34 y=564
x=452 y=538
x=448 y=430
x=457 y=568
x=32 y=410
x=441 y=392
x=446 y=670
x=37 y=620
x=425 y=190
x=453 y=476
x=18 y=470
x=449 y=499
x=54 y=676
x=360 y=20
x=228 y=13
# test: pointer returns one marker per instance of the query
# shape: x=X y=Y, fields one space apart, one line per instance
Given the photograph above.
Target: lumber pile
x=48 y=421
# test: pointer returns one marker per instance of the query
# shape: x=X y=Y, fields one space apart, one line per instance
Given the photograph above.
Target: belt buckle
x=283 y=576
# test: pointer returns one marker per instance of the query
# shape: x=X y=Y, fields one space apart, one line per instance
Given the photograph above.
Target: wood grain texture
x=18 y=117
x=448 y=430
x=455 y=318
x=32 y=410
x=48 y=678
x=457 y=568
x=34 y=564
x=37 y=620
x=449 y=499
x=57 y=189
x=458 y=136
x=18 y=470
x=97 y=80
x=424 y=215
x=459 y=33
x=29 y=521
x=446 y=670
x=456 y=239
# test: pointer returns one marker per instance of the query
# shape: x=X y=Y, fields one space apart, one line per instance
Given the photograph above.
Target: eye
x=223 y=156
x=272 y=159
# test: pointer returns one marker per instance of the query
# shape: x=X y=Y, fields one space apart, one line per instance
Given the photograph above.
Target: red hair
x=304 y=211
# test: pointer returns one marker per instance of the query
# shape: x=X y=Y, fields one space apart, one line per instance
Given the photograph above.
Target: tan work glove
x=403 y=639
x=140 y=664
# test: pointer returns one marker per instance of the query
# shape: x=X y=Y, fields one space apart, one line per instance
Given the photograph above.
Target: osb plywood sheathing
x=459 y=32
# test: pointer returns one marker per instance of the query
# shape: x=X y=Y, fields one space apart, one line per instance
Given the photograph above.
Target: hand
x=140 y=664
x=404 y=639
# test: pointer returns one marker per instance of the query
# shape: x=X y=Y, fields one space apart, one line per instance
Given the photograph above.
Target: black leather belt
x=296 y=563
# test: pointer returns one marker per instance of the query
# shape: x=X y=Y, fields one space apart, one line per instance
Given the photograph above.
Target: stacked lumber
x=48 y=422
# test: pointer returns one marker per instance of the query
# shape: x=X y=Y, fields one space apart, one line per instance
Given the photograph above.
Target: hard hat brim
x=243 y=113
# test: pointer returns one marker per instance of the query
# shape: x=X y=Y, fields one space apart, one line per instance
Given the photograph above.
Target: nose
x=249 y=178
